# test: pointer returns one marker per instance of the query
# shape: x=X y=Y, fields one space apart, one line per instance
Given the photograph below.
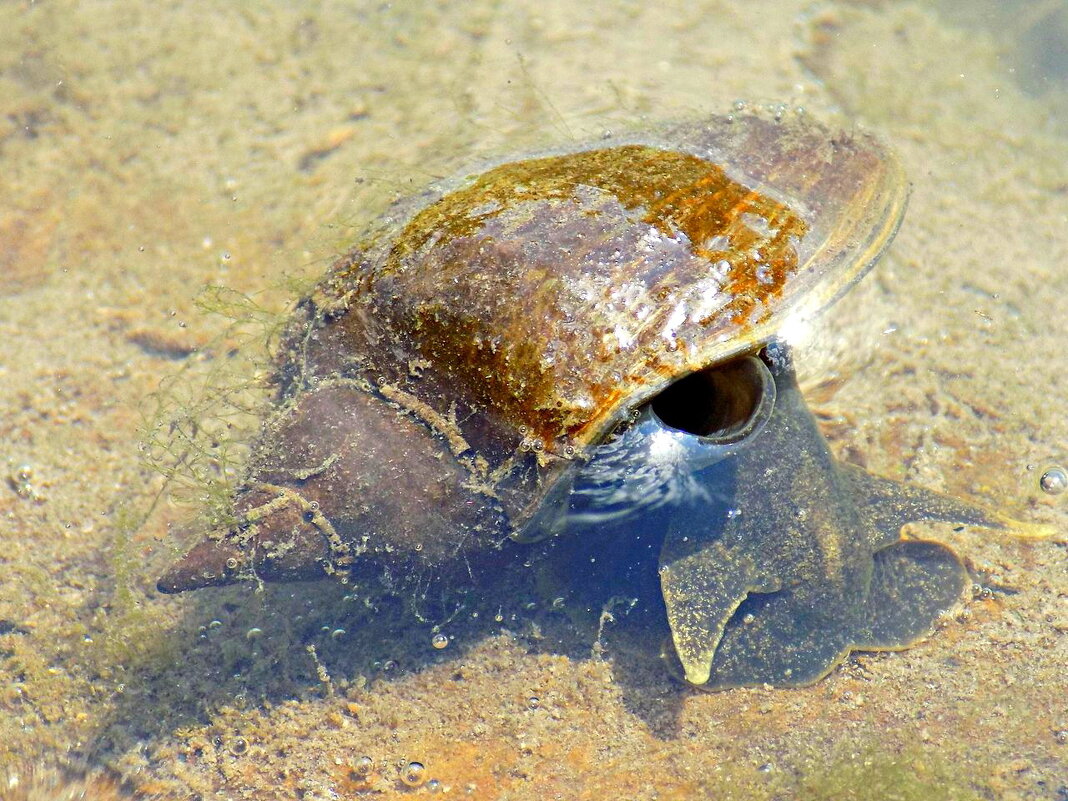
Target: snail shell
x=449 y=378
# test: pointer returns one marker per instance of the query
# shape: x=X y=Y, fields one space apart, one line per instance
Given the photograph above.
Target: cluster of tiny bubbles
x=413 y=774
x=21 y=480
x=385 y=665
x=439 y=641
x=528 y=444
x=778 y=110
x=210 y=628
x=1054 y=480
x=335 y=634
x=738 y=107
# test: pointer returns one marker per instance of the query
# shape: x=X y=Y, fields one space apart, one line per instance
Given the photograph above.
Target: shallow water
x=147 y=154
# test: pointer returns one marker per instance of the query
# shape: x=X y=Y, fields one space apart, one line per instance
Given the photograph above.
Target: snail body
x=500 y=360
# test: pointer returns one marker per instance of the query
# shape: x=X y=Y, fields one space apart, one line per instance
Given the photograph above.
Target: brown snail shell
x=451 y=372
x=449 y=378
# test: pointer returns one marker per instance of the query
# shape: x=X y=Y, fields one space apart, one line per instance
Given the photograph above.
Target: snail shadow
x=254 y=647
x=631 y=647
x=227 y=647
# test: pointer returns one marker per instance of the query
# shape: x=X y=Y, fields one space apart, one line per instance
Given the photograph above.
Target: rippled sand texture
x=147 y=151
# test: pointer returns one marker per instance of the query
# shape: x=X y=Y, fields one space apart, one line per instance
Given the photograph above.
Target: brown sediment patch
x=26 y=243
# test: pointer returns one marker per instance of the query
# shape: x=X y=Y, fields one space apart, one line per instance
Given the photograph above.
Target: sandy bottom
x=147 y=152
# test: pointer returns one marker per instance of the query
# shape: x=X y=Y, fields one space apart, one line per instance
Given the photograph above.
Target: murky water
x=147 y=153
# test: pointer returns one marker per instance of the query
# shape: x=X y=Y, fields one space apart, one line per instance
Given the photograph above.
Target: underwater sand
x=149 y=152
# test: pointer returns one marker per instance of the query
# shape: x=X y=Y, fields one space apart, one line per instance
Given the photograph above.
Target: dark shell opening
x=724 y=403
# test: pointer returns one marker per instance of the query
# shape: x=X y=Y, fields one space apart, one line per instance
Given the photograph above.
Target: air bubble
x=253 y=633
x=337 y=634
x=414 y=774
x=439 y=641
x=1054 y=481
x=239 y=746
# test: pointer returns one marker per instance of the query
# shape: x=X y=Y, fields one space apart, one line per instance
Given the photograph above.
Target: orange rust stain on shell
x=677 y=193
x=581 y=231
